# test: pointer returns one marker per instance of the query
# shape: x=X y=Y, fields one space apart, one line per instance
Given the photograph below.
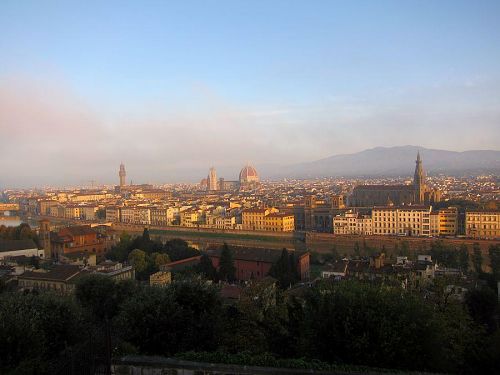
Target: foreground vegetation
x=330 y=324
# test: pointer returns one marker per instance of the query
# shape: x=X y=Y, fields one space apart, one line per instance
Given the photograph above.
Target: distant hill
x=394 y=161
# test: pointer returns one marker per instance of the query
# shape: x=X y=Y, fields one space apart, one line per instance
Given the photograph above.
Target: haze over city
x=173 y=88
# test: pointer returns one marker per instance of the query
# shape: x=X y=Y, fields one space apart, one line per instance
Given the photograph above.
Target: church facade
x=383 y=195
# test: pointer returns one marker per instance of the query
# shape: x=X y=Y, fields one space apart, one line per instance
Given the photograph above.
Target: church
x=382 y=195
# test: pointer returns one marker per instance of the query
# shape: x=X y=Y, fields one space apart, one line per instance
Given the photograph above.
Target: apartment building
x=482 y=224
x=352 y=223
x=403 y=221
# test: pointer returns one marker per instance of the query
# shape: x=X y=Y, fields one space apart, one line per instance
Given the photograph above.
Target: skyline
x=183 y=86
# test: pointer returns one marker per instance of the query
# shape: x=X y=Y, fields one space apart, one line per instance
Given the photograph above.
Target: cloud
x=51 y=135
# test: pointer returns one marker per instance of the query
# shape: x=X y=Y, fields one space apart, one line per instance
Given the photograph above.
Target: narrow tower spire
x=419 y=180
x=122 y=174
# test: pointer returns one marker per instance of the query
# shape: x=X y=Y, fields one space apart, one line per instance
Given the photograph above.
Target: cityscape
x=293 y=188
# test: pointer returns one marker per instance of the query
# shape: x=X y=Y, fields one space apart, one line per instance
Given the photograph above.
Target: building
x=212 y=179
x=114 y=270
x=255 y=263
x=44 y=234
x=13 y=248
x=60 y=279
x=79 y=238
x=160 y=278
x=189 y=218
x=402 y=221
x=248 y=177
x=279 y=222
x=352 y=223
x=482 y=224
x=113 y=214
x=122 y=174
x=378 y=195
x=444 y=222
x=136 y=215
x=263 y=219
x=317 y=215
x=181 y=265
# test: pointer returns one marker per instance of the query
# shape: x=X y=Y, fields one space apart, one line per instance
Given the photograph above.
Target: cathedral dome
x=248 y=174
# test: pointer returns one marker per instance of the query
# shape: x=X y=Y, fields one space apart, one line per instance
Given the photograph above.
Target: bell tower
x=122 y=174
x=45 y=238
x=419 y=181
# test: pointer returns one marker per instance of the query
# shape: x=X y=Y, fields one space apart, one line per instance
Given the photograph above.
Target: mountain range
x=395 y=161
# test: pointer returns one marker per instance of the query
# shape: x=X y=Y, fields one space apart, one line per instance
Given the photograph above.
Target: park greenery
x=327 y=325
x=345 y=323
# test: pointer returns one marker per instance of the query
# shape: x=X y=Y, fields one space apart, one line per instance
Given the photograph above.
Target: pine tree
x=206 y=268
x=477 y=259
x=464 y=258
x=285 y=269
x=227 y=270
x=494 y=253
x=145 y=235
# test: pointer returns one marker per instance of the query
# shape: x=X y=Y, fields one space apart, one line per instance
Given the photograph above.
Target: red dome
x=248 y=174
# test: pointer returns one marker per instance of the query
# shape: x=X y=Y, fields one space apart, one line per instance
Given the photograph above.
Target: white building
x=12 y=248
x=352 y=223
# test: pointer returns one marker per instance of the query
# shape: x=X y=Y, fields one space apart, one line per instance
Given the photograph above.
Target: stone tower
x=122 y=174
x=45 y=238
x=212 y=179
x=419 y=181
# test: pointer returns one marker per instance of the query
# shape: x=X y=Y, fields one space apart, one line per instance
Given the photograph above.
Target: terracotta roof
x=384 y=187
x=253 y=254
x=58 y=273
x=12 y=245
x=80 y=230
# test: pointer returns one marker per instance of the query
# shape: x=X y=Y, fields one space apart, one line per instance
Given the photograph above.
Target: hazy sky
x=171 y=88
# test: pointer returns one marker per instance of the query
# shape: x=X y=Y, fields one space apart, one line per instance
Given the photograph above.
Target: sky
x=171 y=88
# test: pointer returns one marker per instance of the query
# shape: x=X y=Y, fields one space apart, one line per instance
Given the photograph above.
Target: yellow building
x=482 y=224
x=113 y=214
x=267 y=219
x=279 y=222
x=160 y=278
x=448 y=221
x=402 y=221
x=254 y=218
x=189 y=218
x=72 y=212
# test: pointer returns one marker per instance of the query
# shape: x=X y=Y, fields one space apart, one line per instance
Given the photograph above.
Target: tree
x=405 y=249
x=357 y=249
x=463 y=258
x=227 y=270
x=477 y=258
x=285 y=269
x=120 y=251
x=137 y=258
x=178 y=249
x=159 y=259
x=35 y=330
x=482 y=305
x=101 y=296
x=145 y=235
x=182 y=316
x=206 y=268
x=494 y=253
x=353 y=322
